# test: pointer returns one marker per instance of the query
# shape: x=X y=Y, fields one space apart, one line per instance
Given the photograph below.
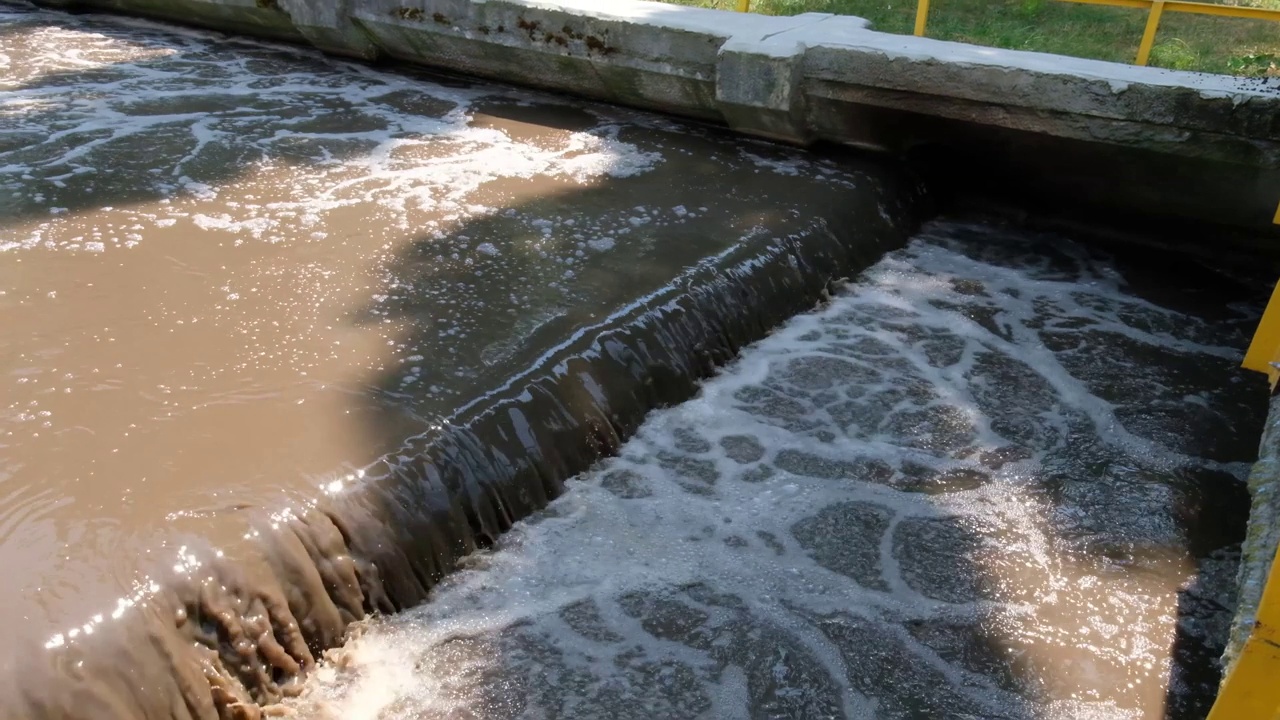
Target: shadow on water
x=911 y=666
x=1203 y=408
x=1214 y=514
x=537 y=335
x=1211 y=506
x=525 y=306
x=496 y=295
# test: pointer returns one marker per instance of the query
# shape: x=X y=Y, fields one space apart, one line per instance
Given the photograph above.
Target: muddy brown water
x=285 y=338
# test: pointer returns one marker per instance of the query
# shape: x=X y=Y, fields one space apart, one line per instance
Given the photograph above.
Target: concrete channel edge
x=1259 y=549
x=827 y=78
x=763 y=75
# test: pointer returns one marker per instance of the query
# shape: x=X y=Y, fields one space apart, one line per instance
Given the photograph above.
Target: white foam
x=680 y=509
x=277 y=123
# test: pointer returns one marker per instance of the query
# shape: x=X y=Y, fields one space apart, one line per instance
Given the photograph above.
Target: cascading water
x=286 y=337
x=991 y=479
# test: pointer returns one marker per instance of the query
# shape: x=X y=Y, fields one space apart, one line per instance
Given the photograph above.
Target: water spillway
x=988 y=480
x=286 y=339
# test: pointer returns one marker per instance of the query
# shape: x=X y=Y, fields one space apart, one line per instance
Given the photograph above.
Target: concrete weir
x=239 y=629
x=518 y=282
x=1185 y=144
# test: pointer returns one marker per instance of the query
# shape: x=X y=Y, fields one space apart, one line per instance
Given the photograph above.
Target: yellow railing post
x=1156 y=8
x=922 y=16
x=1264 y=352
x=744 y=5
x=1149 y=35
x=1264 y=349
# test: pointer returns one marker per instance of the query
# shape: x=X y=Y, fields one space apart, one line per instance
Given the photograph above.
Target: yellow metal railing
x=1155 y=10
x=1263 y=354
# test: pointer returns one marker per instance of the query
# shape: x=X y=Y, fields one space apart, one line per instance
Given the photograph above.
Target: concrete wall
x=1263 y=536
x=818 y=77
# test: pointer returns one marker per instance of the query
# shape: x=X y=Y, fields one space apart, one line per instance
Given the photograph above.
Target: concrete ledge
x=327 y=26
x=595 y=54
x=1259 y=549
x=1051 y=85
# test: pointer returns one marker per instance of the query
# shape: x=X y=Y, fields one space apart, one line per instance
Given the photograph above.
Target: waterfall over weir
x=997 y=476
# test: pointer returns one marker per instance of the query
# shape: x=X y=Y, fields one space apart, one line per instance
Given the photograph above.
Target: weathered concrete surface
x=818 y=77
x=1260 y=544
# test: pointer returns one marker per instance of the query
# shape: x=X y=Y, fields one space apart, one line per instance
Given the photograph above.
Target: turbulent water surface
x=233 y=274
x=998 y=476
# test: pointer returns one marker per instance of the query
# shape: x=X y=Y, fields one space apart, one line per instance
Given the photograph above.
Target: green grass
x=1185 y=42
